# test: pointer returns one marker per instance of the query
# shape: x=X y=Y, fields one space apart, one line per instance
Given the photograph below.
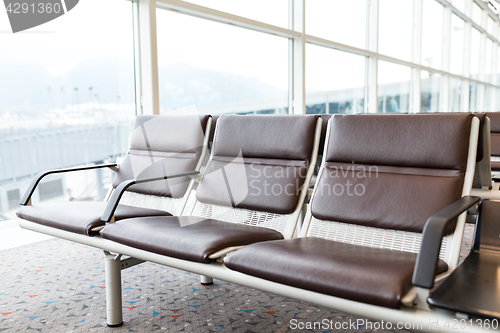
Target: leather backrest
x=495 y=132
x=162 y=145
x=391 y=171
x=259 y=162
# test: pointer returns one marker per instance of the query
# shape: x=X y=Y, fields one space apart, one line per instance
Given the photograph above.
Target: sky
x=93 y=29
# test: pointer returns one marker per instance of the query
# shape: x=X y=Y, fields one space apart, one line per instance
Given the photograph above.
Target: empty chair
x=159 y=145
x=365 y=237
x=252 y=190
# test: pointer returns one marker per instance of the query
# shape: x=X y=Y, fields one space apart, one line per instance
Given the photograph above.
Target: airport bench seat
x=159 y=145
x=375 y=246
x=364 y=274
x=348 y=244
x=243 y=168
x=186 y=237
x=80 y=216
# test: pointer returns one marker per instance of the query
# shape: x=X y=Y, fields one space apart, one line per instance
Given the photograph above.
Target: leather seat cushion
x=369 y=275
x=80 y=216
x=185 y=237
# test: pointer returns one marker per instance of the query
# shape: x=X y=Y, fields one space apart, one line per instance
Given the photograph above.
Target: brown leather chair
x=495 y=139
x=365 y=237
x=159 y=145
x=252 y=190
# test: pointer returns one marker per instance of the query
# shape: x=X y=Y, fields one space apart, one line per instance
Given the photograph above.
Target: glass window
x=432 y=33
x=429 y=91
x=395 y=28
x=473 y=97
x=488 y=68
x=488 y=92
x=491 y=26
x=475 y=45
x=457 y=45
x=459 y=4
x=220 y=68
x=455 y=94
x=67 y=98
x=393 y=87
x=477 y=13
x=498 y=66
x=335 y=81
x=271 y=12
x=497 y=106
x=340 y=21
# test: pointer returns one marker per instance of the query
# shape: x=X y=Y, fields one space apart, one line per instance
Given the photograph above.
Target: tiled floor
x=58 y=286
x=53 y=285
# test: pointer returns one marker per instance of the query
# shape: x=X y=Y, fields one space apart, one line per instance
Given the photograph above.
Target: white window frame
x=146 y=53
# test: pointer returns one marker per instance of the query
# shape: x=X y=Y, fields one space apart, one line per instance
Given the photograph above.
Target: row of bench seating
x=383 y=225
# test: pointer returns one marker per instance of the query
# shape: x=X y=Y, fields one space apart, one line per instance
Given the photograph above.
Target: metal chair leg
x=113 y=289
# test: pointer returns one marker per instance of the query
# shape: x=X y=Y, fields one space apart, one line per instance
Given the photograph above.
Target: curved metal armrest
x=34 y=183
x=118 y=192
x=427 y=259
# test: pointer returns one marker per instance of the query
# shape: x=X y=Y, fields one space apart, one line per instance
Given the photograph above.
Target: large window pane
x=272 y=12
x=457 y=45
x=340 y=21
x=475 y=45
x=393 y=87
x=497 y=100
x=488 y=92
x=220 y=68
x=67 y=98
x=473 y=97
x=429 y=91
x=488 y=68
x=459 y=4
x=432 y=33
x=395 y=28
x=455 y=94
x=498 y=67
x=491 y=26
x=335 y=81
x=477 y=13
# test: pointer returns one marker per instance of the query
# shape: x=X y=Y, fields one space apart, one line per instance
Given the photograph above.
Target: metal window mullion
x=137 y=58
x=149 y=57
x=494 y=67
x=444 y=99
x=480 y=95
x=371 y=104
x=416 y=57
x=290 y=58
x=467 y=58
x=299 y=91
